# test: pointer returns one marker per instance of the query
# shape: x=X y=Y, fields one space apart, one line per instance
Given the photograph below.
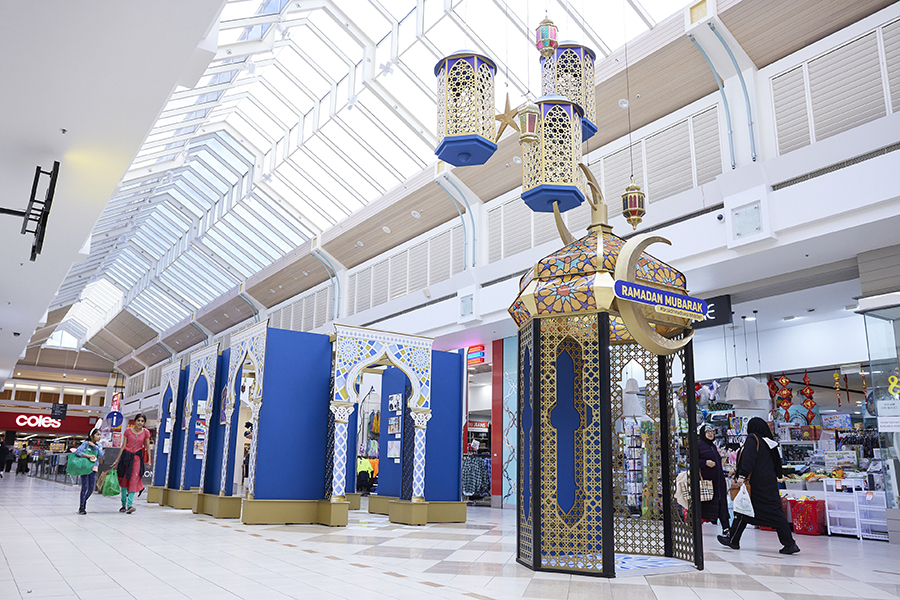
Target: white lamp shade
x=631 y=386
x=760 y=395
x=736 y=393
x=632 y=405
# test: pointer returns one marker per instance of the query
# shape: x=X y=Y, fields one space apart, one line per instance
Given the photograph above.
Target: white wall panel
x=668 y=162
x=707 y=145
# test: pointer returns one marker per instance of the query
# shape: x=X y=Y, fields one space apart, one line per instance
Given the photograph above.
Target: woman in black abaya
x=711 y=469
x=760 y=466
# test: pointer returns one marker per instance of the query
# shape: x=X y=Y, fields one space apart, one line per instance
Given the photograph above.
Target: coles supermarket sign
x=37 y=422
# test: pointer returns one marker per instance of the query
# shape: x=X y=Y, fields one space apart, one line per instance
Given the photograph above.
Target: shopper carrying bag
x=86 y=456
x=130 y=463
x=713 y=507
x=760 y=462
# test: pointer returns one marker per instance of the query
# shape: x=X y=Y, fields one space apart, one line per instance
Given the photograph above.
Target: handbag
x=683 y=482
x=111 y=485
x=78 y=465
x=735 y=487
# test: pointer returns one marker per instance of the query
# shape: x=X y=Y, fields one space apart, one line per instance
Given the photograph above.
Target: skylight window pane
x=662 y=9
x=305 y=205
x=211 y=178
x=250 y=133
x=303 y=71
x=201 y=187
x=223 y=169
x=337 y=36
x=265 y=229
x=230 y=155
x=261 y=120
x=255 y=239
x=173 y=215
x=225 y=241
x=358 y=154
x=386 y=147
x=448 y=37
x=327 y=181
x=288 y=89
x=239 y=9
x=398 y=8
x=302 y=181
x=223 y=253
x=368 y=18
x=285 y=115
x=419 y=104
x=339 y=165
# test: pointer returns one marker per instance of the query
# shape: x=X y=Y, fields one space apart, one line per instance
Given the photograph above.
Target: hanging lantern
x=633 y=204
x=528 y=120
x=465 y=109
x=545 y=37
x=550 y=171
x=569 y=71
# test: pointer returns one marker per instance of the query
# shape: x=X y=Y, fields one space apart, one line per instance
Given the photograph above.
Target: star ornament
x=507 y=119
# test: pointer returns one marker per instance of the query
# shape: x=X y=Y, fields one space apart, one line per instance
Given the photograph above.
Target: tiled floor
x=49 y=551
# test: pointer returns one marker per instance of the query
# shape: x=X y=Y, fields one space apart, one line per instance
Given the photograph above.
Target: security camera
x=720 y=217
x=16 y=334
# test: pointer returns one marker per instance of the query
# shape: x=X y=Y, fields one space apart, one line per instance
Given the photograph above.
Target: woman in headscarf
x=711 y=469
x=759 y=464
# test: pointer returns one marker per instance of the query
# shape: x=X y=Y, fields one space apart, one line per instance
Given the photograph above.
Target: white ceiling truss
x=310 y=110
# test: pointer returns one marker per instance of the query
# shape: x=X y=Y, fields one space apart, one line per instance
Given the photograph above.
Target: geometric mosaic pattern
x=247 y=344
x=169 y=379
x=569 y=72
x=564 y=280
x=683 y=541
x=641 y=533
x=571 y=541
x=203 y=364
x=355 y=349
x=526 y=468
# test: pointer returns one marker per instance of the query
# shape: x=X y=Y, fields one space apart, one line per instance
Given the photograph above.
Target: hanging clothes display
x=476 y=478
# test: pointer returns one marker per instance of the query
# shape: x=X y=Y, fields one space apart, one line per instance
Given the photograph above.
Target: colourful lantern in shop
x=466 y=123
x=545 y=37
x=633 y=204
x=551 y=174
x=569 y=71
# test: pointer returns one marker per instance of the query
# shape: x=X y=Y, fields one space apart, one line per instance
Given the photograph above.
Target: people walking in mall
x=22 y=462
x=759 y=465
x=4 y=452
x=90 y=449
x=129 y=464
x=711 y=469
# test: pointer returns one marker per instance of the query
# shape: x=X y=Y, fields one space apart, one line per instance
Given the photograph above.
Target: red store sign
x=42 y=423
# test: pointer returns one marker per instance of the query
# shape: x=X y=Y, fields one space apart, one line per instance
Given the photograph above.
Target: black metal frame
x=664 y=458
x=37 y=217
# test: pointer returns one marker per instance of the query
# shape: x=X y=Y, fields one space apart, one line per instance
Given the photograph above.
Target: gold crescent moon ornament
x=636 y=323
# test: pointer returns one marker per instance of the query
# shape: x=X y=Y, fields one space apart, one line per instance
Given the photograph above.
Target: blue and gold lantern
x=569 y=71
x=550 y=170
x=465 y=109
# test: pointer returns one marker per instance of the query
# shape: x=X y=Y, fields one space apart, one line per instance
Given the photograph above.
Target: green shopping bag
x=78 y=465
x=111 y=485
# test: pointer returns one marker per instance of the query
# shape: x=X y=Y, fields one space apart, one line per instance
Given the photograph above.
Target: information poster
x=836 y=422
x=393 y=449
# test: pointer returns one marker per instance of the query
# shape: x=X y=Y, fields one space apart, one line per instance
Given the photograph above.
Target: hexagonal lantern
x=569 y=71
x=465 y=109
x=550 y=171
x=596 y=482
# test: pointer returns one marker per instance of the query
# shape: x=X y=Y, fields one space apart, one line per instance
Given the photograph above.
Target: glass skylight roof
x=311 y=111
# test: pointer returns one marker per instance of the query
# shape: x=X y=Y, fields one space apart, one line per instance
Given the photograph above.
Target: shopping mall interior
x=352 y=261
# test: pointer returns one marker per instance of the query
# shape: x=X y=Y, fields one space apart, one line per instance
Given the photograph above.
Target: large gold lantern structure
x=569 y=71
x=551 y=174
x=466 y=116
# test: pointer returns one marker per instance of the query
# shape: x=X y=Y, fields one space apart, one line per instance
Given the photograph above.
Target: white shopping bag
x=742 y=502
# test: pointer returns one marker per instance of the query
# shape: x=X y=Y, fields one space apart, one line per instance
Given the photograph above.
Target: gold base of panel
x=354 y=500
x=219 y=507
x=277 y=512
x=155 y=494
x=179 y=499
x=378 y=505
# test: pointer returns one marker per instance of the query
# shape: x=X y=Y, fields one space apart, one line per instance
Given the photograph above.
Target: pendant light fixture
x=633 y=200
